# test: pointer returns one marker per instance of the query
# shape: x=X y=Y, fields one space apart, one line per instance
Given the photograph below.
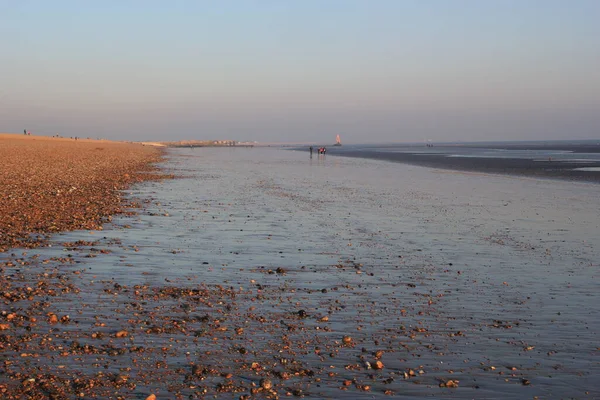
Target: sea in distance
x=567 y=159
x=335 y=276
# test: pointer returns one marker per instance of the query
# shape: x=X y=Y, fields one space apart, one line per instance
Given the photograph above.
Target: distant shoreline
x=539 y=168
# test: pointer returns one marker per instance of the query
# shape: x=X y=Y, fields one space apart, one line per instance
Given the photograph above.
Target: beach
x=264 y=273
x=49 y=184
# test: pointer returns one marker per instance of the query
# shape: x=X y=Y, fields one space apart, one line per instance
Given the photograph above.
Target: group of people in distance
x=321 y=150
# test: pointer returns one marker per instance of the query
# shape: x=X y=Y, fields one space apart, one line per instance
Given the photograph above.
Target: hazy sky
x=302 y=71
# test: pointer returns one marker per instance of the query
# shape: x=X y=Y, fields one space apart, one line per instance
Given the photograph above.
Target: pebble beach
x=49 y=185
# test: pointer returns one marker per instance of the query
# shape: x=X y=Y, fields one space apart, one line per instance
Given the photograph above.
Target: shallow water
x=488 y=280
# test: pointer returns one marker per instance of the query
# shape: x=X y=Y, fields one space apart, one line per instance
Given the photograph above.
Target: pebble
x=377 y=365
x=266 y=384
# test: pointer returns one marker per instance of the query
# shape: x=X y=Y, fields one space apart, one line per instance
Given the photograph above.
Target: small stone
x=449 y=383
x=347 y=340
x=266 y=384
x=197 y=370
x=377 y=365
x=284 y=375
x=121 y=334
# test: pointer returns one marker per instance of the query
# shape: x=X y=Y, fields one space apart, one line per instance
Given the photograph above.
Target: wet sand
x=48 y=185
x=266 y=274
x=539 y=168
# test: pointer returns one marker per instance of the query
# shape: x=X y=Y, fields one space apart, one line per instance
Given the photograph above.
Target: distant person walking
x=24 y=131
x=311 y=150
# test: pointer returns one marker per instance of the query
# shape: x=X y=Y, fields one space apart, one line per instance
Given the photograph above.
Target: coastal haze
x=269 y=71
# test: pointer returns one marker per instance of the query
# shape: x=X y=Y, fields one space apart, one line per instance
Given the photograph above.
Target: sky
x=302 y=71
